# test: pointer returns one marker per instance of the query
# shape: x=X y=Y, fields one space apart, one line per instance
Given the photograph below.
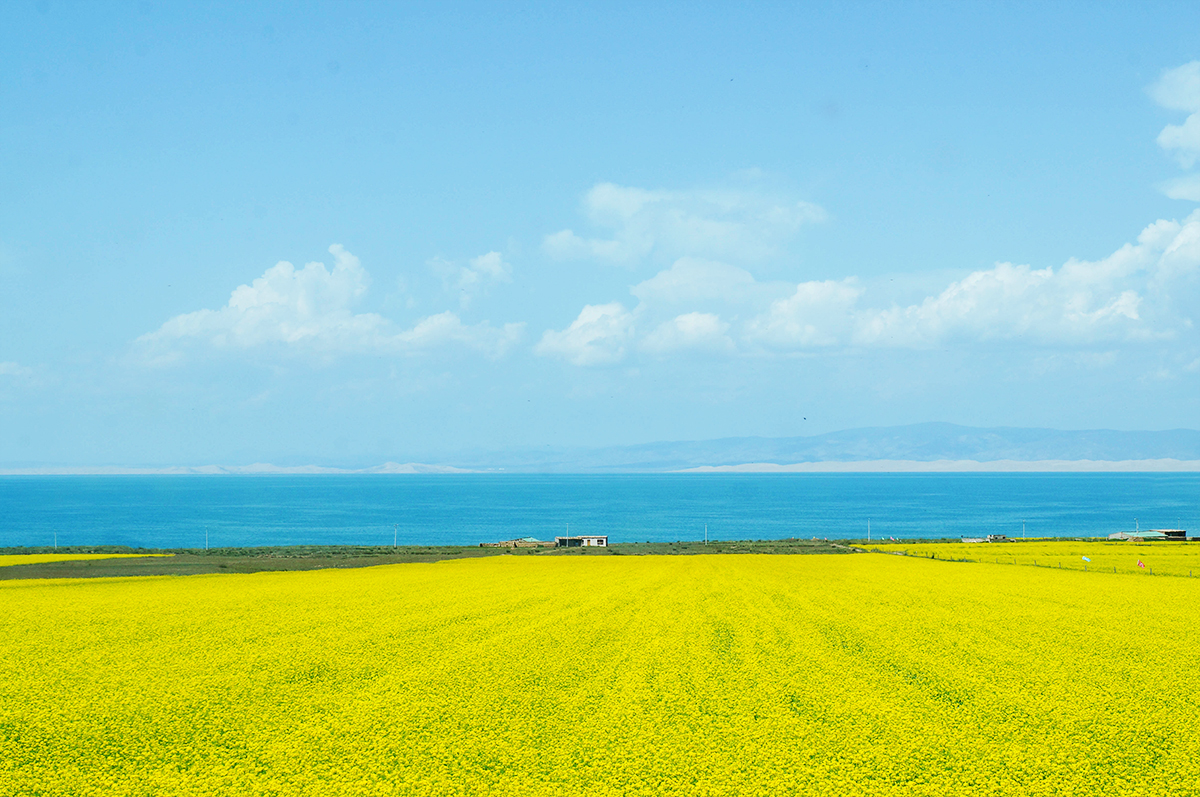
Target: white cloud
x=474 y=278
x=1083 y=303
x=691 y=279
x=566 y=245
x=1004 y=302
x=445 y=328
x=286 y=305
x=703 y=223
x=313 y=309
x=703 y=331
x=1179 y=90
x=1186 y=187
x=599 y=336
x=1180 y=245
x=1142 y=292
x=1183 y=140
x=816 y=314
x=1139 y=293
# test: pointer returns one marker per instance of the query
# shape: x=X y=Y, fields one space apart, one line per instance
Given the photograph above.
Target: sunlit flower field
x=1172 y=558
x=709 y=675
x=42 y=558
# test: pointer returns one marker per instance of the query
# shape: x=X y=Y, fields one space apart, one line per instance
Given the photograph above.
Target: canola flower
x=1160 y=557
x=703 y=675
x=42 y=558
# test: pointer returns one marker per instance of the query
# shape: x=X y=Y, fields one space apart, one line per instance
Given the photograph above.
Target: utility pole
x=395 y=533
x=56 y=540
x=206 y=538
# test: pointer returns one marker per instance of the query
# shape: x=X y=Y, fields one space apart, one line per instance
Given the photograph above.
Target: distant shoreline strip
x=963 y=466
x=257 y=469
x=868 y=466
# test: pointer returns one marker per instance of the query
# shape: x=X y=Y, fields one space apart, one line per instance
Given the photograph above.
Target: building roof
x=1138 y=535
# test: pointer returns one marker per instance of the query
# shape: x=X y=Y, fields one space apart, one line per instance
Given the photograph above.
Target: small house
x=1173 y=534
x=582 y=541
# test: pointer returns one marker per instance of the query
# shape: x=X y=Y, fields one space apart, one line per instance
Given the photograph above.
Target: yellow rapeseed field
x=1165 y=558
x=709 y=675
x=42 y=558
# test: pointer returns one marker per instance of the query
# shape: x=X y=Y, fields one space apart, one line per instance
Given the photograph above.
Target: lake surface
x=174 y=511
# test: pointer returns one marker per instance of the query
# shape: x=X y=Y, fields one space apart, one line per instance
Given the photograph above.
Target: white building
x=582 y=541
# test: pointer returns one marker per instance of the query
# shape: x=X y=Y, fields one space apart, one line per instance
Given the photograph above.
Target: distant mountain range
x=257 y=469
x=919 y=443
x=920 y=447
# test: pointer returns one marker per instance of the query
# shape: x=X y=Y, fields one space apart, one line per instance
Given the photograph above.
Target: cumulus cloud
x=1141 y=292
x=310 y=305
x=447 y=328
x=697 y=331
x=1179 y=90
x=475 y=278
x=691 y=279
x=1183 y=140
x=739 y=224
x=1125 y=297
x=1082 y=303
x=598 y=336
x=1179 y=245
x=1186 y=187
x=816 y=314
x=1004 y=302
x=312 y=308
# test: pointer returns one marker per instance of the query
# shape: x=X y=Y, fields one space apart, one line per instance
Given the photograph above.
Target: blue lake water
x=174 y=511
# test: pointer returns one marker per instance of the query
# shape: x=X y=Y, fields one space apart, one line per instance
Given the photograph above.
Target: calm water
x=173 y=511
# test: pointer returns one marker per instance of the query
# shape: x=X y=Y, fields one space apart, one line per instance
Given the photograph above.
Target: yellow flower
x=702 y=675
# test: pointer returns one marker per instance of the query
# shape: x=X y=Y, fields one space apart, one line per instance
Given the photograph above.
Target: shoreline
x=962 y=466
x=826 y=466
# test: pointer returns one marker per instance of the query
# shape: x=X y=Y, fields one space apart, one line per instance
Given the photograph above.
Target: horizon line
x=1162 y=465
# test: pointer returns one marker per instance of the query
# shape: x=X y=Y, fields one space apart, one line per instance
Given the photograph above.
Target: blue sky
x=350 y=233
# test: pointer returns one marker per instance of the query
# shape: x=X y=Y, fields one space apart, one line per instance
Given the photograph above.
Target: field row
x=1093 y=556
x=697 y=675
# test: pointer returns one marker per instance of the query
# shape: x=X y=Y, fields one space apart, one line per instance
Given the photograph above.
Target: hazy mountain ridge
x=926 y=442
x=885 y=448
x=256 y=469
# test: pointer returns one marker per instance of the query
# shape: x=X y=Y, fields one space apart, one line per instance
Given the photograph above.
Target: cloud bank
x=313 y=309
x=1141 y=293
x=704 y=299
